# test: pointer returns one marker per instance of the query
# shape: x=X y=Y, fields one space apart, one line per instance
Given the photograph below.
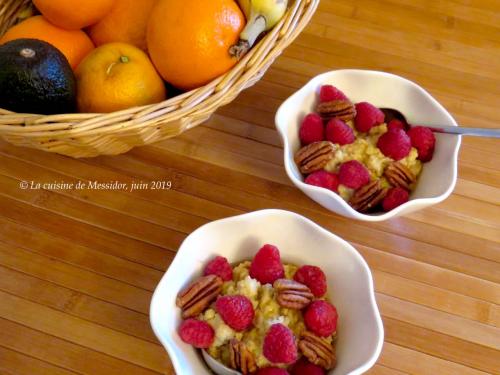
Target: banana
x=261 y=15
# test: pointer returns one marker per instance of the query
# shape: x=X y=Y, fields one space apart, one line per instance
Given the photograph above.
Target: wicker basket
x=88 y=135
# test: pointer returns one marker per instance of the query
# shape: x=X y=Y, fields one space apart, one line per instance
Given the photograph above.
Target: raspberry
x=353 y=174
x=236 y=311
x=279 y=345
x=323 y=179
x=312 y=129
x=395 y=144
x=396 y=124
x=219 y=266
x=304 y=367
x=395 y=197
x=367 y=116
x=272 y=371
x=337 y=131
x=327 y=93
x=197 y=333
x=266 y=265
x=313 y=277
x=423 y=140
x=321 y=318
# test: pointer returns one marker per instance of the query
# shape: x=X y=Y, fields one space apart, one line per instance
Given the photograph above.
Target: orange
x=117 y=76
x=189 y=40
x=74 y=15
x=75 y=44
x=126 y=22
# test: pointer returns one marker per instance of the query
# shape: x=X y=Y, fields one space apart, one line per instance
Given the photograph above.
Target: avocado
x=35 y=77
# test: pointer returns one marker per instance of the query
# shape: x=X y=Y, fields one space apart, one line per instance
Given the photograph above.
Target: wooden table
x=77 y=267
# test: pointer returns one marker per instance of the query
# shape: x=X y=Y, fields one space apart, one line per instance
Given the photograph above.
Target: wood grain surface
x=78 y=267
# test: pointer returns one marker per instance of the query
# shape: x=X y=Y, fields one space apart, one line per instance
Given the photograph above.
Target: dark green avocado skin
x=42 y=84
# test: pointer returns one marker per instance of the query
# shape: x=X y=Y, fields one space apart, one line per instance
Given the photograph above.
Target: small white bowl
x=350 y=284
x=439 y=176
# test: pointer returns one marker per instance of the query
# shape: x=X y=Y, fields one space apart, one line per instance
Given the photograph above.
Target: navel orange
x=74 y=15
x=74 y=44
x=117 y=76
x=189 y=40
x=126 y=22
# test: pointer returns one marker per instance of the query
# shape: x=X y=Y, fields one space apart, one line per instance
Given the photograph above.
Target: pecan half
x=342 y=109
x=317 y=350
x=314 y=156
x=198 y=295
x=240 y=358
x=368 y=196
x=292 y=294
x=399 y=175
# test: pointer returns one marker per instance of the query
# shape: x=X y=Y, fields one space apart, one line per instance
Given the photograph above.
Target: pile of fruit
x=371 y=161
x=108 y=55
x=261 y=316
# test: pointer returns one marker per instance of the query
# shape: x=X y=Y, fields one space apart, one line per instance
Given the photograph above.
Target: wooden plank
x=431 y=274
x=84 y=333
x=95 y=261
x=25 y=365
x=75 y=278
x=76 y=303
x=442 y=346
x=416 y=362
x=86 y=234
x=468 y=331
x=66 y=354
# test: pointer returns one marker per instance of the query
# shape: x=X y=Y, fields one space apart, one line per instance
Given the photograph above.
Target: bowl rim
x=170 y=346
x=282 y=130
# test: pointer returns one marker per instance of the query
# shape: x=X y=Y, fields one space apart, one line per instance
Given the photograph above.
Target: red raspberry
x=236 y=311
x=395 y=144
x=367 y=116
x=423 y=140
x=312 y=129
x=327 y=93
x=313 y=277
x=197 y=333
x=321 y=318
x=272 y=371
x=279 y=345
x=304 y=367
x=337 y=131
x=353 y=174
x=323 y=179
x=395 y=197
x=266 y=265
x=219 y=266
x=396 y=124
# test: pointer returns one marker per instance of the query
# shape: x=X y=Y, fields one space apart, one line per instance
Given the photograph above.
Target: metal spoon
x=391 y=114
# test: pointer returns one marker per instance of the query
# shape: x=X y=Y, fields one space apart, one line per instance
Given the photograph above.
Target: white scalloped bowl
x=350 y=284
x=438 y=177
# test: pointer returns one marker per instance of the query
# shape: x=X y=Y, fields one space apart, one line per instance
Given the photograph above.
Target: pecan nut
x=315 y=156
x=317 y=350
x=292 y=294
x=368 y=196
x=197 y=296
x=240 y=358
x=341 y=109
x=399 y=175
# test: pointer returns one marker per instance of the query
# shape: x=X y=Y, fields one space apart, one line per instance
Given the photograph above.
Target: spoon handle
x=495 y=133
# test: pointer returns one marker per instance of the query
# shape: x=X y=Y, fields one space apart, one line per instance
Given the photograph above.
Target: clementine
x=126 y=22
x=189 y=40
x=74 y=15
x=74 y=44
x=117 y=76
